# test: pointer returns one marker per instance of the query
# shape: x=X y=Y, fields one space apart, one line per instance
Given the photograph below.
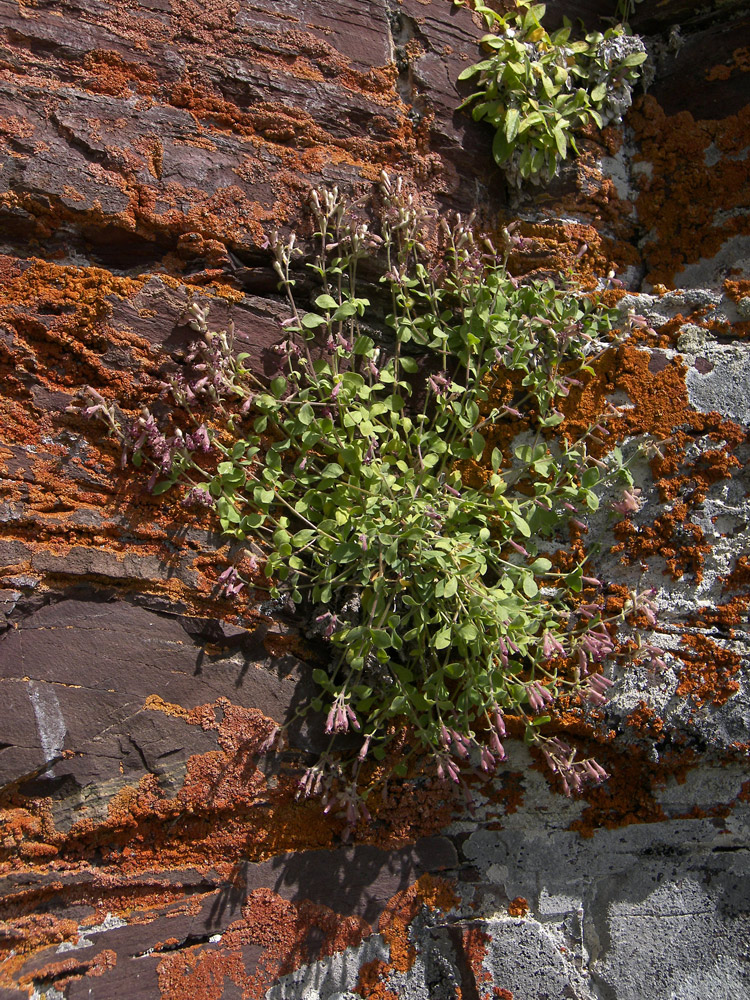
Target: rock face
x=147 y=847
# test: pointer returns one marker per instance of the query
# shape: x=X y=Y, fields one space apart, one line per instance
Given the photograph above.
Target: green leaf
x=521 y=524
x=599 y=92
x=303 y=537
x=345 y=311
x=326 y=302
x=562 y=142
x=380 y=638
x=635 y=59
x=465 y=74
x=512 y=118
x=311 y=320
x=363 y=345
x=477 y=445
x=541 y=565
x=501 y=148
x=468 y=631
x=442 y=640
x=590 y=477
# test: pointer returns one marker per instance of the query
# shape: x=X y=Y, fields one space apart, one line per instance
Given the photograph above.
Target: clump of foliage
x=350 y=469
x=537 y=89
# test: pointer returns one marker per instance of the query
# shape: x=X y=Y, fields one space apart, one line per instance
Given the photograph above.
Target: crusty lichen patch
x=694 y=198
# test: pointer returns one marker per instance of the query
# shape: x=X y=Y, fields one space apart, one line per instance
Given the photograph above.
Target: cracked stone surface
x=149 y=848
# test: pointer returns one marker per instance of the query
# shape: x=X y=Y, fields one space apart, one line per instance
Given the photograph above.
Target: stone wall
x=147 y=849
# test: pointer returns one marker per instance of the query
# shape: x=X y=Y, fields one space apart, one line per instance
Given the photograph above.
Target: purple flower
x=497 y=746
x=597 y=643
x=583 y=662
x=551 y=647
x=573 y=773
x=643 y=601
x=91 y=411
x=503 y=650
x=519 y=548
x=538 y=696
x=332 y=623
x=447 y=769
x=270 y=739
x=630 y=503
x=197 y=496
x=230 y=582
x=460 y=744
x=199 y=440
x=596 y=689
x=499 y=721
x=655 y=657
x=341 y=716
x=439 y=384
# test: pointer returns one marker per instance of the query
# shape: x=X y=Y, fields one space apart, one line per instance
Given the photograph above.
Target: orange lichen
x=561 y=248
x=64 y=971
x=518 y=907
x=660 y=409
x=106 y=72
x=280 y=929
x=428 y=891
x=629 y=795
x=708 y=672
x=475 y=942
x=646 y=721
x=737 y=289
x=723 y=71
x=691 y=204
x=740 y=575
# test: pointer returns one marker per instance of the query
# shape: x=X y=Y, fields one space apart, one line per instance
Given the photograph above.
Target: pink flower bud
x=500 y=723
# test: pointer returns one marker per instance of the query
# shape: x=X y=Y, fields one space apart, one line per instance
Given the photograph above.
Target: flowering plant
x=377 y=473
x=537 y=88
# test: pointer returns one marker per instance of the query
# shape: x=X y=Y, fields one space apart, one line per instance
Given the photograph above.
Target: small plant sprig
x=624 y=9
x=537 y=89
x=351 y=469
